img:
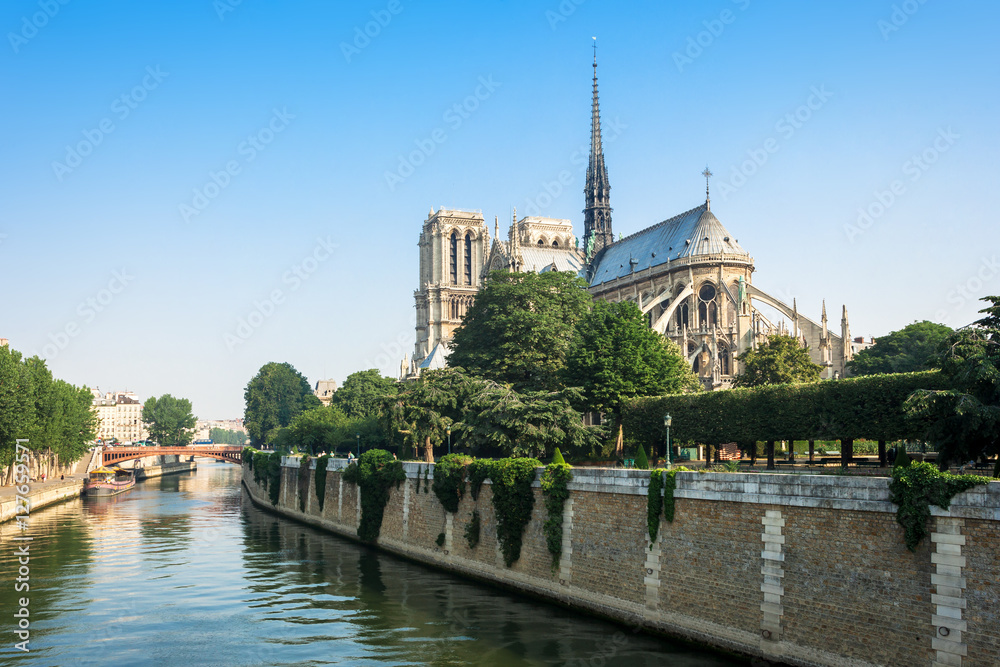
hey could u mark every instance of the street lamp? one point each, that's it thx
(667, 420)
(358, 436)
(449, 439)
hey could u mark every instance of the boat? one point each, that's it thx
(108, 481)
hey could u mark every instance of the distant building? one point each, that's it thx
(119, 415)
(4, 342)
(203, 427)
(324, 390)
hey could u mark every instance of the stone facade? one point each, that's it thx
(801, 570)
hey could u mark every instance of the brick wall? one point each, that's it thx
(801, 570)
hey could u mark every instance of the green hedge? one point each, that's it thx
(868, 407)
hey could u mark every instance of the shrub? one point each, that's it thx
(440, 540)
(641, 462)
(914, 488)
(558, 457)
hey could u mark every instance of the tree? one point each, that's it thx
(781, 360)
(169, 420)
(225, 436)
(519, 328)
(319, 429)
(273, 398)
(17, 412)
(965, 419)
(362, 393)
(616, 357)
(425, 408)
(913, 348)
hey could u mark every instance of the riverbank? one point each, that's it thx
(801, 570)
(40, 494)
(171, 468)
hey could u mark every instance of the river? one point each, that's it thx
(183, 570)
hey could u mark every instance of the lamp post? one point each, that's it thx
(358, 436)
(667, 420)
(449, 439)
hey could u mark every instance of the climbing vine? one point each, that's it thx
(914, 488)
(472, 530)
(303, 482)
(479, 470)
(449, 480)
(658, 503)
(418, 479)
(374, 473)
(513, 501)
(427, 479)
(555, 489)
(440, 540)
(321, 464)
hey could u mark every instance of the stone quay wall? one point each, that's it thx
(794, 569)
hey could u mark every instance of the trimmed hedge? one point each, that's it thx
(869, 407)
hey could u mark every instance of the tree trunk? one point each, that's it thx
(753, 454)
(846, 451)
(620, 438)
(812, 451)
(708, 456)
(881, 454)
(428, 450)
(770, 454)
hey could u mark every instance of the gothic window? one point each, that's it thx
(556, 243)
(725, 361)
(468, 258)
(454, 258)
(541, 242)
(708, 314)
(713, 314)
(682, 315)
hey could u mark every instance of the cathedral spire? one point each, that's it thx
(597, 191)
(707, 174)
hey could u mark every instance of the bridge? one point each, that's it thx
(230, 453)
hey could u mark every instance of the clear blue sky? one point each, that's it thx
(329, 121)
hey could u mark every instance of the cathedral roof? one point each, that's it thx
(691, 234)
(540, 259)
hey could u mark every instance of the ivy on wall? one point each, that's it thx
(472, 530)
(449, 480)
(915, 487)
(660, 499)
(321, 465)
(555, 490)
(374, 473)
(303, 485)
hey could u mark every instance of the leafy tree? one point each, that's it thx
(319, 429)
(273, 398)
(965, 419)
(16, 402)
(913, 348)
(519, 328)
(616, 357)
(781, 360)
(169, 420)
(225, 436)
(425, 408)
(499, 419)
(362, 393)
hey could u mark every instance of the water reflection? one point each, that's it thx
(183, 570)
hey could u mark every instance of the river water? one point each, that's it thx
(183, 570)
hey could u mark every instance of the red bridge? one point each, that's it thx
(230, 453)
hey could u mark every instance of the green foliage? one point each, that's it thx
(913, 348)
(868, 407)
(303, 486)
(273, 398)
(557, 457)
(902, 459)
(513, 499)
(449, 480)
(321, 465)
(500, 420)
(518, 330)
(918, 486)
(225, 436)
(424, 409)
(963, 419)
(440, 540)
(555, 490)
(320, 429)
(374, 474)
(781, 360)
(427, 479)
(660, 499)
(169, 420)
(641, 462)
(472, 530)
(272, 476)
(616, 356)
(363, 393)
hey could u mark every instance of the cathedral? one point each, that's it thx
(688, 274)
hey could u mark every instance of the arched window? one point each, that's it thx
(725, 362)
(556, 243)
(468, 258)
(541, 242)
(454, 258)
(702, 313)
(682, 315)
(713, 314)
